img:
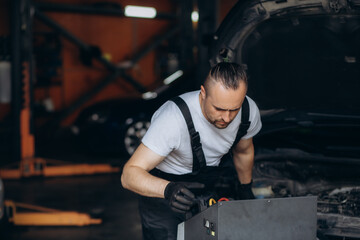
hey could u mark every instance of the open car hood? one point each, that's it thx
(303, 62)
(302, 55)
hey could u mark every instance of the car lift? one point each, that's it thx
(30, 165)
(93, 52)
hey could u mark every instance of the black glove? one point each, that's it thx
(180, 198)
(244, 192)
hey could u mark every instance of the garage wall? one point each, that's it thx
(118, 38)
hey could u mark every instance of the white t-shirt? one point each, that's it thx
(168, 134)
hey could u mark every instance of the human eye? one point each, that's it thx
(219, 109)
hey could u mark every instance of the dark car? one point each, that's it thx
(116, 127)
(303, 59)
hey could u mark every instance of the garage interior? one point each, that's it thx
(64, 56)
(79, 81)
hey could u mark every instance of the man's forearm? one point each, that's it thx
(244, 169)
(140, 181)
(244, 162)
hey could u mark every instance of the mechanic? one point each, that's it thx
(161, 170)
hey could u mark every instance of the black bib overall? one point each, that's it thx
(158, 220)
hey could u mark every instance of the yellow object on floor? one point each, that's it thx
(46, 216)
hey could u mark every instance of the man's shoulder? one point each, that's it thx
(254, 110)
(170, 111)
(168, 108)
(190, 96)
(251, 102)
(169, 105)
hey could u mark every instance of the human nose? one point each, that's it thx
(226, 116)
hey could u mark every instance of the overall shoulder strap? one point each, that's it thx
(199, 161)
(245, 123)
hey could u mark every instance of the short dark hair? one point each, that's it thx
(230, 74)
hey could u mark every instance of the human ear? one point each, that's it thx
(202, 92)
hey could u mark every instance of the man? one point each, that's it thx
(164, 161)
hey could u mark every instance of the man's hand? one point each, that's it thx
(244, 192)
(180, 198)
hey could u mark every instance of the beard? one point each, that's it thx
(220, 124)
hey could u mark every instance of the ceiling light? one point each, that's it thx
(140, 12)
(195, 16)
(149, 95)
(173, 77)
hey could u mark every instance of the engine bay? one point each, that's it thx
(335, 184)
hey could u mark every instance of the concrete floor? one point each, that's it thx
(101, 196)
